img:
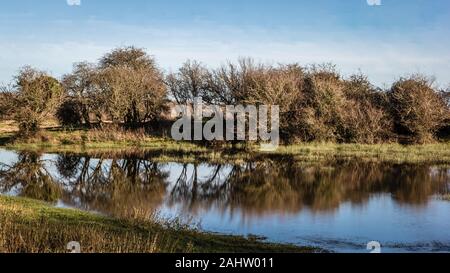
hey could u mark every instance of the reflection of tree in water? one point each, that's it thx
(273, 186)
(30, 178)
(193, 189)
(132, 184)
(119, 187)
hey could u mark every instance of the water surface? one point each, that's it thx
(338, 206)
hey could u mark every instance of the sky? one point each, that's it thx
(385, 39)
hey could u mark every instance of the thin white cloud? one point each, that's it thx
(74, 2)
(55, 58)
(383, 58)
(374, 2)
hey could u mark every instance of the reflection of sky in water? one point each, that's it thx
(399, 226)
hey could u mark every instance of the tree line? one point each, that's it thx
(127, 87)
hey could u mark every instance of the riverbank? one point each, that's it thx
(164, 149)
(36, 227)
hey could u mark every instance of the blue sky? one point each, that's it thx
(393, 39)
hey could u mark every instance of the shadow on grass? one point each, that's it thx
(6, 139)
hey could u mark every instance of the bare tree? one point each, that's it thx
(82, 94)
(132, 57)
(130, 87)
(133, 96)
(189, 82)
(229, 83)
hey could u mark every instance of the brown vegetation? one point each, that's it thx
(418, 110)
(38, 97)
(316, 103)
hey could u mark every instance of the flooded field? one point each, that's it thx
(339, 206)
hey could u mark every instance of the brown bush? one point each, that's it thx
(316, 104)
(7, 97)
(38, 97)
(280, 86)
(70, 113)
(417, 109)
(365, 116)
(323, 104)
(444, 130)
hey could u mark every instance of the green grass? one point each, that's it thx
(35, 227)
(96, 141)
(436, 153)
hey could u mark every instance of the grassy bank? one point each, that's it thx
(98, 142)
(32, 226)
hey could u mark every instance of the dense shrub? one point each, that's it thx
(7, 96)
(282, 86)
(38, 97)
(418, 110)
(365, 117)
(70, 113)
(444, 130)
(28, 121)
(316, 103)
(321, 117)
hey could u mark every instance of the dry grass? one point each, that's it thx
(433, 153)
(113, 139)
(28, 226)
(33, 228)
(8, 126)
(100, 143)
